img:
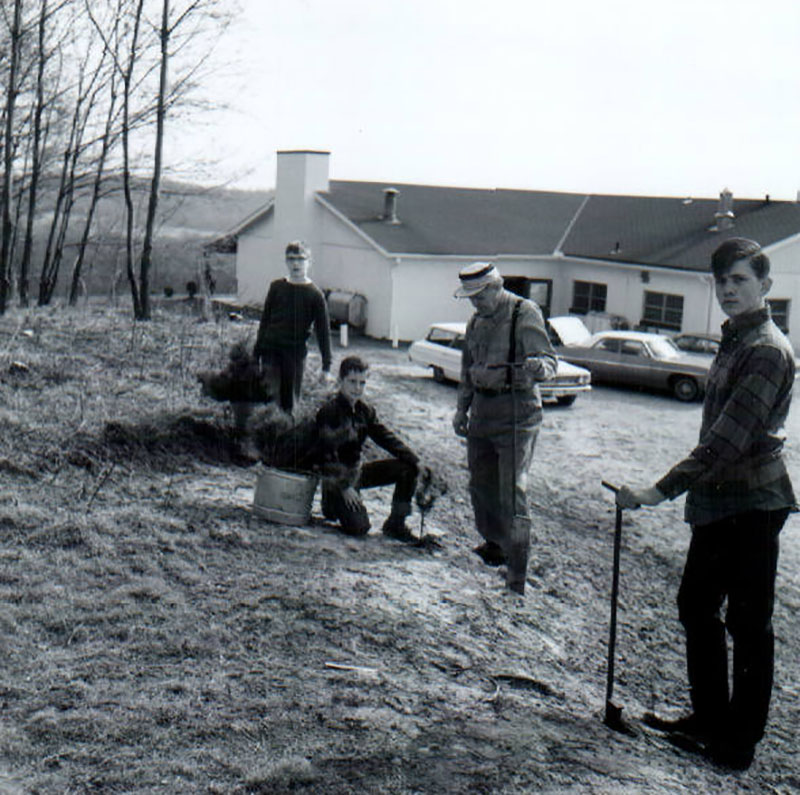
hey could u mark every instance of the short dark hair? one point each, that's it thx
(297, 248)
(735, 249)
(352, 364)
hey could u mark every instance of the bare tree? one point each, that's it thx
(91, 83)
(36, 157)
(105, 144)
(8, 151)
(168, 28)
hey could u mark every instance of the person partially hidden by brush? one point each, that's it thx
(342, 425)
(738, 497)
(275, 370)
(293, 305)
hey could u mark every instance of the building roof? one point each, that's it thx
(465, 221)
(640, 230)
(673, 232)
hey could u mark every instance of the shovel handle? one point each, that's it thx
(609, 486)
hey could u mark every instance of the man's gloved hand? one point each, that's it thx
(460, 423)
(534, 366)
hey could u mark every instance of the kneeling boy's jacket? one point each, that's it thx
(341, 430)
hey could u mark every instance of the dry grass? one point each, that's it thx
(158, 638)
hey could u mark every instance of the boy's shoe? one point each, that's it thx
(395, 527)
(491, 554)
(687, 724)
(732, 756)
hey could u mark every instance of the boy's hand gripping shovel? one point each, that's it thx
(613, 714)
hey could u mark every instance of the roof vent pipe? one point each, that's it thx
(724, 215)
(390, 205)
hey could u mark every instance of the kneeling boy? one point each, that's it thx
(342, 424)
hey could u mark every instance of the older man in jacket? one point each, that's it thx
(507, 351)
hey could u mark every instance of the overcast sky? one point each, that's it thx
(677, 98)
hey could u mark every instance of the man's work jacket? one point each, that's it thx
(497, 397)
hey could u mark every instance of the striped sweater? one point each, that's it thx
(738, 464)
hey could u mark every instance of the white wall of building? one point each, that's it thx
(347, 261)
(627, 285)
(785, 272)
(253, 267)
(423, 290)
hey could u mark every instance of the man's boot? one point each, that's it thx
(518, 555)
(395, 526)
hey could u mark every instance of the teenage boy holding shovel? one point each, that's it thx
(506, 352)
(739, 496)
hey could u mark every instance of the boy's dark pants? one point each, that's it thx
(285, 369)
(736, 558)
(376, 473)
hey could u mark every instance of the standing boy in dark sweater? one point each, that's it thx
(292, 306)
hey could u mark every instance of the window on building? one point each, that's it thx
(662, 310)
(779, 307)
(588, 297)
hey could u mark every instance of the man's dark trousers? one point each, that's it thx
(376, 473)
(736, 558)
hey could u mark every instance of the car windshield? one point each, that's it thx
(442, 336)
(664, 348)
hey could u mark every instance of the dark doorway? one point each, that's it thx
(538, 290)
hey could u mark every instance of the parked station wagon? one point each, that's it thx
(441, 348)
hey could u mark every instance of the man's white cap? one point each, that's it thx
(476, 277)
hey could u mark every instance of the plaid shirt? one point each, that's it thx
(738, 463)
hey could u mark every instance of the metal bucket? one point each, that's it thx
(284, 497)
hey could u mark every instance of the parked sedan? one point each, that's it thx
(698, 343)
(641, 359)
(441, 349)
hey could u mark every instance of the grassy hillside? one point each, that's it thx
(188, 216)
(158, 637)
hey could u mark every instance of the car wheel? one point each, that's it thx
(685, 388)
(566, 400)
(438, 375)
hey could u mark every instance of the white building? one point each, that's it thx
(401, 246)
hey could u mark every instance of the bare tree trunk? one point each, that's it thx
(8, 155)
(80, 256)
(36, 152)
(127, 79)
(155, 184)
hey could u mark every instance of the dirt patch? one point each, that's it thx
(159, 637)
